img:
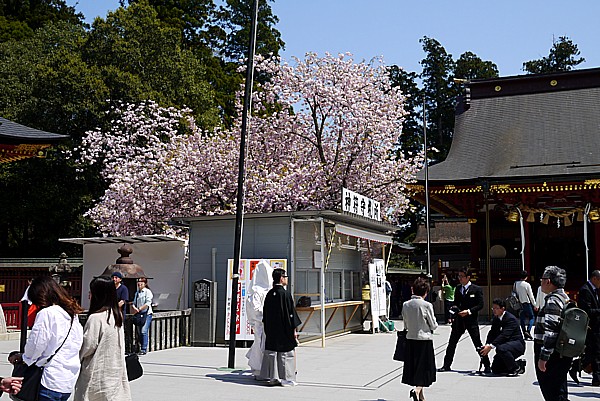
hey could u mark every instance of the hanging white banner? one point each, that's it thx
(246, 272)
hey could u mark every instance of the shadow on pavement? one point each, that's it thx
(237, 378)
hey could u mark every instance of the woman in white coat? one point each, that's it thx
(261, 284)
(103, 375)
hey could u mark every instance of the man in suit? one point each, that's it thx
(506, 338)
(468, 301)
(589, 302)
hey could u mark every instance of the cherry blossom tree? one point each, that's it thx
(317, 125)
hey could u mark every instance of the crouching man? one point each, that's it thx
(506, 338)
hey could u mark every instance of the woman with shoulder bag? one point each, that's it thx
(142, 309)
(419, 357)
(103, 376)
(54, 341)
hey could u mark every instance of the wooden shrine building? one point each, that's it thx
(524, 170)
(19, 142)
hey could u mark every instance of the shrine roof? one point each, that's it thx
(11, 132)
(526, 127)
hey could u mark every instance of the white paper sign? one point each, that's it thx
(377, 288)
(360, 205)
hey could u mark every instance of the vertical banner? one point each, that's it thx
(246, 272)
(377, 288)
(241, 325)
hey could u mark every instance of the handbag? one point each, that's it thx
(32, 375)
(513, 300)
(139, 319)
(133, 366)
(32, 378)
(400, 346)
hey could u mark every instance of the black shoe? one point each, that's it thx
(514, 372)
(444, 369)
(573, 374)
(487, 371)
(522, 363)
(413, 395)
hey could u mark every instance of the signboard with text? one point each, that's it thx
(360, 205)
(377, 287)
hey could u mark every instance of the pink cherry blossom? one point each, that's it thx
(317, 125)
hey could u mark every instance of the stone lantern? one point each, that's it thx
(130, 270)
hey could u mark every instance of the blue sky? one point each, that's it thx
(507, 32)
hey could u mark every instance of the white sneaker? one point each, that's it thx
(288, 383)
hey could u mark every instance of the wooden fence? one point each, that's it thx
(12, 314)
(14, 274)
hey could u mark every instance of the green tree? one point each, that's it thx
(231, 32)
(19, 18)
(46, 85)
(440, 93)
(412, 130)
(440, 90)
(469, 66)
(194, 18)
(144, 58)
(218, 37)
(59, 80)
(235, 21)
(564, 56)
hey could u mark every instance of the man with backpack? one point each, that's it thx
(550, 367)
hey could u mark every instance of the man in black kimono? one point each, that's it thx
(280, 320)
(506, 338)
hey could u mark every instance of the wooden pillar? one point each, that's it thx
(475, 241)
(594, 249)
(527, 251)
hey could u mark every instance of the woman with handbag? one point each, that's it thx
(142, 309)
(103, 376)
(53, 343)
(419, 358)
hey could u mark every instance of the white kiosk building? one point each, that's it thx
(327, 254)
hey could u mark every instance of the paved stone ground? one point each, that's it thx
(355, 367)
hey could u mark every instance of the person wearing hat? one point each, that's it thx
(122, 291)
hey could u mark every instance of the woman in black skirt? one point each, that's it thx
(419, 358)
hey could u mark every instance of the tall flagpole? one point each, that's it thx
(426, 189)
(239, 211)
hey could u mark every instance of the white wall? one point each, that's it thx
(163, 262)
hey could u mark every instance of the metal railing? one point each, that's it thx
(169, 329)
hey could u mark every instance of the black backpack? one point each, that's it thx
(303, 301)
